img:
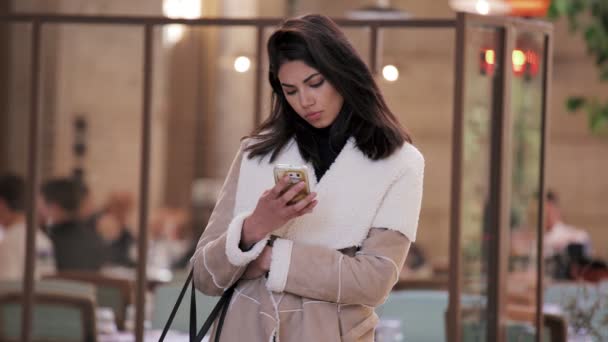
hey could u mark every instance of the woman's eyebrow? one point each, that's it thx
(305, 80)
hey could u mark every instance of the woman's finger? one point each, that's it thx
(309, 208)
(304, 210)
(307, 211)
(305, 202)
(280, 187)
(292, 192)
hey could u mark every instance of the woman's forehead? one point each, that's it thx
(294, 72)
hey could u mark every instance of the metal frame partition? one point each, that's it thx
(500, 118)
(500, 174)
(4, 60)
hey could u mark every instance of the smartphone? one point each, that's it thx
(296, 173)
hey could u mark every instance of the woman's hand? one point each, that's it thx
(259, 266)
(273, 211)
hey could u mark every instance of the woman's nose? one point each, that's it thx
(306, 99)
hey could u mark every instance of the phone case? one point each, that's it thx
(296, 173)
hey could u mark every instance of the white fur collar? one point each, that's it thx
(352, 195)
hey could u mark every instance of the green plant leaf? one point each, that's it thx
(590, 17)
(577, 6)
(575, 103)
(591, 34)
(596, 121)
(557, 8)
(604, 73)
(554, 11)
(598, 115)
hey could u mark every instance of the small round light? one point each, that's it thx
(242, 64)
(390, 73)
(188, 9)
(173, 33)
(482, 7)
(490, 58)
(519, 58)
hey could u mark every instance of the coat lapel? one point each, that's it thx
(348, 194)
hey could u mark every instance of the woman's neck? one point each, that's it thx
(324, 132)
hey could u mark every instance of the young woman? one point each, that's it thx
(314, 270)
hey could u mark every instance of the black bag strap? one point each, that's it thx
(192, 311)
(220, 323)
(175, 307)
(222, 305)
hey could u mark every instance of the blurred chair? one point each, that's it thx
(114, 293)
(164, 300)
(55, 286)
(64, 311)
(555, 328)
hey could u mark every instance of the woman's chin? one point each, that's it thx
(319, 126)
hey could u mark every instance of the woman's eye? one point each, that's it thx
(318, 84)
(290, 92)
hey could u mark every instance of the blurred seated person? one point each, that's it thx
(566, 248)
(559, 235)
(111, 224)
(76, 244)
(171, 240)
(12, 220)
(578, 265)
(87, 209)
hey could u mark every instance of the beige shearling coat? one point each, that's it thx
(331, 268)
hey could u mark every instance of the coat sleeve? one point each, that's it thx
(218, 261)
(367, 278)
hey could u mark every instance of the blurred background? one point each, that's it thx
(203, 102)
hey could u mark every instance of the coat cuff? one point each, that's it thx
(235, 255)
(279, 265)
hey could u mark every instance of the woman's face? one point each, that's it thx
(310, 94)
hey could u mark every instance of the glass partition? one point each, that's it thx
(482, 62)
(503, 103)
(526, 103)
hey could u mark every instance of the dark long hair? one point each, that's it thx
(317, 41)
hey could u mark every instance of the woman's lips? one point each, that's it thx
(313, 116)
